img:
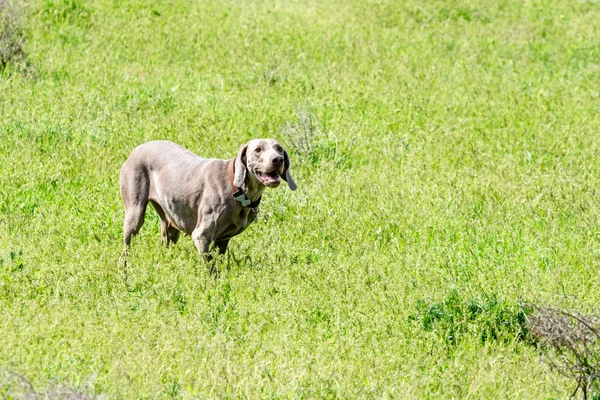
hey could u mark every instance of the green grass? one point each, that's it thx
(456, 157)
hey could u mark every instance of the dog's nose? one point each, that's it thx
(277, 160)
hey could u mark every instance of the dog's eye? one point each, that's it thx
(258, 150)
(279, 149)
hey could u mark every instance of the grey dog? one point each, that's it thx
(213, 200)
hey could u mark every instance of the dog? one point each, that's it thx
(210, 199)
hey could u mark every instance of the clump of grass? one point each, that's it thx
(11, 34)
(486, 317)
(311, 143)
(571, 342)
(301, 134)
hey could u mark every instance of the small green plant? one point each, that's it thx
(486, 317)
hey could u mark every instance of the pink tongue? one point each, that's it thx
(268, 178)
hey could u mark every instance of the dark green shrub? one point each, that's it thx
(485, 316)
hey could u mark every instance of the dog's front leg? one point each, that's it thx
(204, 234)
(202, 240)
(203, 237)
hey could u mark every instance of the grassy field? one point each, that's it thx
(452, 164)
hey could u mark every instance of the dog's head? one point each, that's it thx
(264, 160)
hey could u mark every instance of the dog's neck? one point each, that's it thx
(253, 188)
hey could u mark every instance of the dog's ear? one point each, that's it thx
(287, 176)
(240, 167)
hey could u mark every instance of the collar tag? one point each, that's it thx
(243, 200)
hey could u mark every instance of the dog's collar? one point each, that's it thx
(241, 197)
(238, 194)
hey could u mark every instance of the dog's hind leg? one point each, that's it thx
(135, 189)
(169, 234)
(134, 219)
(172, 235)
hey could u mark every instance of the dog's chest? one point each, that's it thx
(239, 222)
